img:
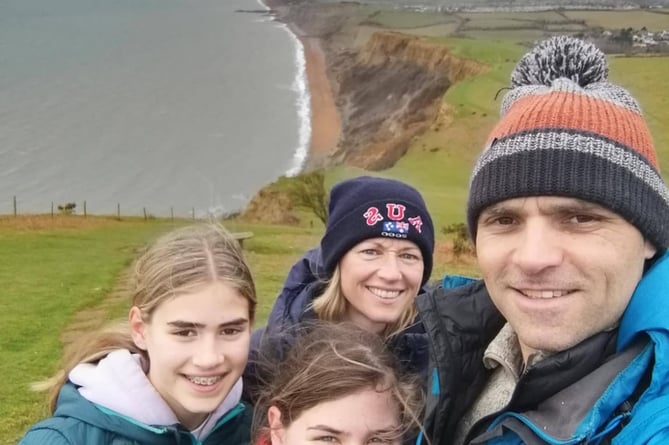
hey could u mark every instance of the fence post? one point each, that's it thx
(193, 211)
(52, 209)
(172, 213)
(14, 205)
(144, 213)
(118, 211)
(84, 208)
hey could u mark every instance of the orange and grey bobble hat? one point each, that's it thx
(565, 130)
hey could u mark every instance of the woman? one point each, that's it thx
(374, 257)
(171, 373)
(338, 384)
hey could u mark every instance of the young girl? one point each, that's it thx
(338, 384)
(171, 374)
(374, 258)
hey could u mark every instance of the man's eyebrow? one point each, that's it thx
(498, 208)
(576, 206)
(190, 325)
(573, 205)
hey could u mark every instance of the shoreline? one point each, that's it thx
(324, 116)
(325, 121)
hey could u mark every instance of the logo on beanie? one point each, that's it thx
(396, 227)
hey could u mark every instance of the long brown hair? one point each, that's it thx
(179, 262)
(328, 362)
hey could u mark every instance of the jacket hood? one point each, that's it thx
(71, 404)
(120, 391)
(647, 310)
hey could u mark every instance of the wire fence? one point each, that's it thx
(71, 208)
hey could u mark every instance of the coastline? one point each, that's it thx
(325, 121)
(324, 116)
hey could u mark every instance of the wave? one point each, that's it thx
(303, 103)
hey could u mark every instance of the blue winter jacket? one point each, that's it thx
(611, 389)
(77, 421)
(292, 308)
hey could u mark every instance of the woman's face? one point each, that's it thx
(380, 278)
(362, 418)
(197, 344)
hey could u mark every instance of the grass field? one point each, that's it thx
(652, 20)
(48, 275)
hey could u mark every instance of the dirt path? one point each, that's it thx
(93, 318)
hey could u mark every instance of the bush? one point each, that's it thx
(67, 209)
(308, 192)
(460, 235)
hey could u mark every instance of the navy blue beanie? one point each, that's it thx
(368, 207)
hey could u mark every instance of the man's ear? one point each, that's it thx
(137, 327)
(649, 250)
(276, 430)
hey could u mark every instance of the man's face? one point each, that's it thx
(559, 269)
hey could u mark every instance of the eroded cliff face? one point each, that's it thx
(389, 91)
(388, 86)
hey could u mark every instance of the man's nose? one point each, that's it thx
(539, 247)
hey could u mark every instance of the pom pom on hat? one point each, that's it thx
(561, 57)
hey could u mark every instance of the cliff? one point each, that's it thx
(389, 91)
(387, 86)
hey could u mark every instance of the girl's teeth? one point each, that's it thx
(204, 381)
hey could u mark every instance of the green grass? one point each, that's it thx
(48, 275)
(646, 78)
(652, 20)
(533, 16)
(408, 19)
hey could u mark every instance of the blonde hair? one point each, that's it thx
(331, 361)
(178, 262)
(332, 305)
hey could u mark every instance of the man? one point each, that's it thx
(566, 339)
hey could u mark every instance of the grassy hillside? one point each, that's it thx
(50, 270)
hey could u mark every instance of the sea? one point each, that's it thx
(163, 107)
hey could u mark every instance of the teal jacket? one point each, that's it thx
(80, 422)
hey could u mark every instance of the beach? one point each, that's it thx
(325, 123)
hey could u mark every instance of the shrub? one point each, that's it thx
(461, 242)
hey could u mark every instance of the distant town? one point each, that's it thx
(631, 40)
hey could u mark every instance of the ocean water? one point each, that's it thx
(168, 105)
